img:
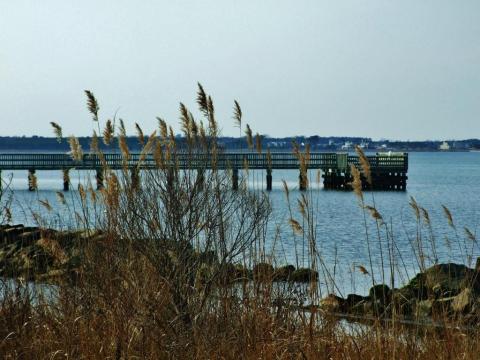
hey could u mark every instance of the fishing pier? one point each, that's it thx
(388, 170)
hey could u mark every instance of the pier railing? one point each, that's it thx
(397, 162)
(388, 170)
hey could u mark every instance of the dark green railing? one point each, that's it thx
(381, 162)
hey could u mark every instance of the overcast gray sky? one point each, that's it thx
(405, 69)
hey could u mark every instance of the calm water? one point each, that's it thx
(451, 179)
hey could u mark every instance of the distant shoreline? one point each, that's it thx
(23, 144)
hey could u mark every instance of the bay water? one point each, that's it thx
(342, 233)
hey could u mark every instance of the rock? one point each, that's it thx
(423, 308)
(447, 279)
(433, 308)
(304, 275)
(28, 237)
(380, 293)
(461, 303)
(403, 301)
(332, 303)
(263, 272)
(417, 287)
(283, 273)
(354, 299)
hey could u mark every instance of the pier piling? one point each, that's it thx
(32, 180)
(269, 179)
(66, 179)
(235, 179)
(99, 178)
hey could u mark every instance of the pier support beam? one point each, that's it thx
(302, 180)
(32, 180)
(99, 178)
(66, 180)
(235, 179)
(269, 179)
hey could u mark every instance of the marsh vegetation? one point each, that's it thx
(171, 263)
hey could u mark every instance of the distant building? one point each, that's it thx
(364, 145)
(347, 145)
(444, 146)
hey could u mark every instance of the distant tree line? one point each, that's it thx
(317, 143)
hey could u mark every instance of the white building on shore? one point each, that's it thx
(444, 146)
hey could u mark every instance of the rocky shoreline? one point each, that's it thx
(442, 292)
(47, 255)
(37, 254)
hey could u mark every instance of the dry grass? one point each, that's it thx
(157, 282)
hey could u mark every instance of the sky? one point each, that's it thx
(407, 70)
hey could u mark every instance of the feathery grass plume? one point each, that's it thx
(374, 212)
(295, 149)
(61, 198)
(147, 148)
(122, 144)
(82, 193)
(413, 204)
(301, 208)
(362, 269)
(171, 137)
(32, 181)
(92, 105)
(45, 204)
(57, 130)
(286, 190)
(108, 132)
(469, 234)
(202, 100)
(425, 215)
(237, 114)
(112, 191)
(36, 217)
(357, 181)
(162, 124)
(140, 136)
(122, 129)
(449, 216)
(258, 143)
(203, 135)
(212, 123)
(269, 159)
(245, 166)
(158, 155)
(364, 164)
(248, 133)
(297, 228)
(75, 148)
(94, 143)
(66, 176)
(193, 127)
(92, 192)
(307, 153)
(185, 122)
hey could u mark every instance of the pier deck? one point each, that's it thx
(389, 171)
